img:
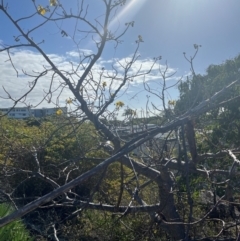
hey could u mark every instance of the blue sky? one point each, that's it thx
(168, 28)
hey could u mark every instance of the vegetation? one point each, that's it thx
(14, 231)
(76, 177)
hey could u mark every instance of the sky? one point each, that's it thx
(168, 28)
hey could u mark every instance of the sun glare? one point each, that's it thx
(127, 11)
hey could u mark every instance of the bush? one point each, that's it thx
(14, 231)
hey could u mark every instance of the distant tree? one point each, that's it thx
(129, 113)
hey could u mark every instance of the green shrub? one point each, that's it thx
(14, 231)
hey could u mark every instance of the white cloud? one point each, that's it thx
(140, 68)
(110, 61)
(29, 64)
(86, 51)
(73, 54)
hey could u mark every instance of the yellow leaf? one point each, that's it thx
(69, 101)
(119, 104)
(59, 112)
(53, 2)
(172, 102)
(41, 10)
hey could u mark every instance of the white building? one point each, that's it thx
(17, 112)
(26, 112)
